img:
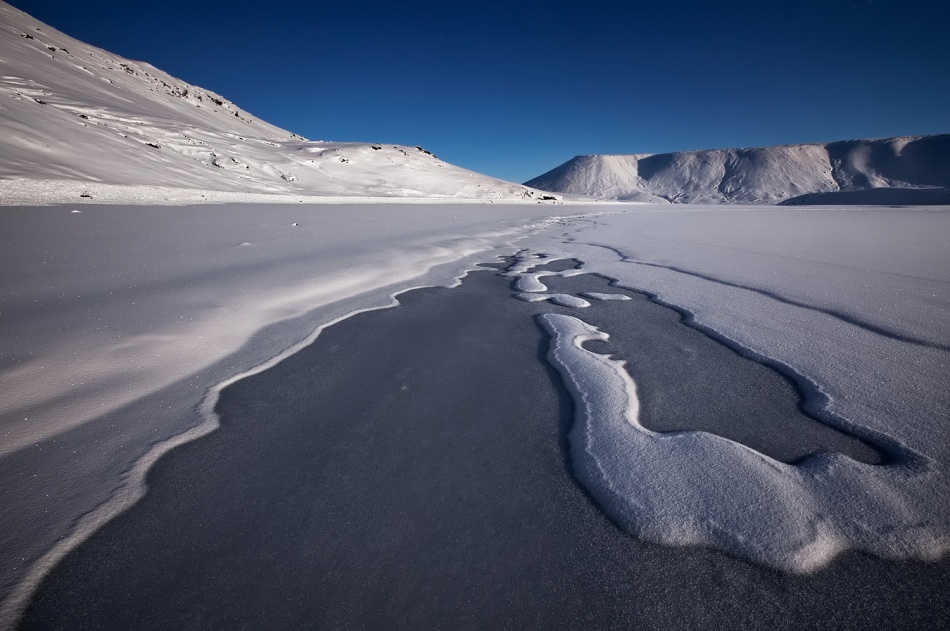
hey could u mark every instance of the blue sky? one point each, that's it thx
(515, 88)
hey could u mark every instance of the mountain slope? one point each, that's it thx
(758, 175)
(69, 111)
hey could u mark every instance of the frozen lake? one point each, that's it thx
(411, 469)
(422, 458)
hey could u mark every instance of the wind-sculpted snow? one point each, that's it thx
(565, 300)
(913, 169)
(116, 323)
(596, 295)
(694, 488)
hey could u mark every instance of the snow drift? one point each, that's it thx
(769, 175)
(73, 112)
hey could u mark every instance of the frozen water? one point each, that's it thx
(437, 510)
(847, 304)
(116, 326)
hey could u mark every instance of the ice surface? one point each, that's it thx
(121, 326)
(119, 323)
(529, 283)
(116, 322)
(701, 489)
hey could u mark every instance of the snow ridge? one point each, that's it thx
(695, 488)
(786, 173)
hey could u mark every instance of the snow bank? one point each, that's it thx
(851, 305)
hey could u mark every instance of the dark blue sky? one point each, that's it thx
(515, 88)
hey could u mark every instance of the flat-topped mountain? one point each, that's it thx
(892, 170)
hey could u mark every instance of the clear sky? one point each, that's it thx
(515, 88)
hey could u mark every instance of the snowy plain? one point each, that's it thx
(117, 320)
(849, 304)
(159, 244)
(118, 328)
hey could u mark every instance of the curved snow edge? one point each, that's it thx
(694, 488)
(133, 486)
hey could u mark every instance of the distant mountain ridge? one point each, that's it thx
(762, 175)
(73, 112)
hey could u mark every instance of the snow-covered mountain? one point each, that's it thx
(73, 112)
(765, 174)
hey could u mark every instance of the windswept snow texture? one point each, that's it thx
(117, 321)
(698, 488)
(765, 175)
(851, 305)
(72, 112)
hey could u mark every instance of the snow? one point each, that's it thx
(212, 275)
(565, 300)
(200, 256)
(117, 321)
(910, 166)
(597, 295)
(76, 118)
(849, 304)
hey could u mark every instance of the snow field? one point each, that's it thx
(768, 284)
(119, 320)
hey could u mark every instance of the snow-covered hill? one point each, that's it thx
(73, 112)
(763, 174)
